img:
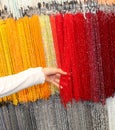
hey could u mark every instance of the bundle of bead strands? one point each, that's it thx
(92, 67)
(7, 58)
(36, 35)
(14, 48)
(3, 64)
(55, 39)
(48, 44)
(22, 47)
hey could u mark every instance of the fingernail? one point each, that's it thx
(64, 72)
(61, 87)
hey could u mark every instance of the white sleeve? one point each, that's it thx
(14, 83)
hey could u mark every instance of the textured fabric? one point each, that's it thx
(2, 121)
(52, 115)
(6, 117)
(13, 117)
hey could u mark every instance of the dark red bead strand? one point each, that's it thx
(75, 61)
(103, 29)
(82, 57)
(101, 89)
(93, 68)
(111, 47)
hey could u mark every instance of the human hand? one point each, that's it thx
(53, 75)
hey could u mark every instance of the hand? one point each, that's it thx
(53, 75)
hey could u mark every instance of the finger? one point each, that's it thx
(60, 71)
(57, 71)
(58, 76)
(56, 84)
(57, 81)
